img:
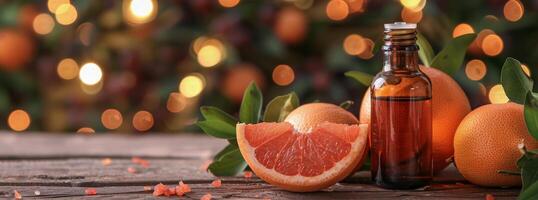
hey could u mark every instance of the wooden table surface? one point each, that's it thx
(62, 166)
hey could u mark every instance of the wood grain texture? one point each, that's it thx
(62, 166)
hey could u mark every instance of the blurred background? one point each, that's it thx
(147, 65)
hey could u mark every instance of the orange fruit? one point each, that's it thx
(307, 116)
(291, 25)
(487, 140)
(302, 161)
(449, 107)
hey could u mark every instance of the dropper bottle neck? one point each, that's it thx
(400, 48)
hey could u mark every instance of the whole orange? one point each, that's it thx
(449, 107)
(16, 49)
(307, 116)
(487, 140)
(237, 79)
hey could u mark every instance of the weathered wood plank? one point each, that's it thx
(61, 146)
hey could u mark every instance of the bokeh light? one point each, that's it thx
(90, 74)
(18, 120)
(111, 119)
(86, 131)
(356, 5)
(228, 3)
(415, 5)
(209, 56)
(191, 85)
(492, 45)
(143, 120)
(67, 69)
(368, 53)
(513, 10)
(52, 5)
(43, 24)
(497, 95)
(283, 75)
(481, 36)
(462, 29)
(526, 69)
(354, 44)
(475, 69)
(66, 14)
(176, 102)
(337, 10)
(85, 32)
(411, 16)
(139, 11)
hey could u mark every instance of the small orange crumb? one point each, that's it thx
(106, 161)
(171, 191)
(205, 165)
(140, 161)
(216, 183)
(131, 170)
(17, 195)
(490, 197)
(206, 197)
(135, 159)
(147, 188)
(247, 174)
(90, 191)
(159, 189)
(182, 188)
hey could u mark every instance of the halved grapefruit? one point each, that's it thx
(302, 161)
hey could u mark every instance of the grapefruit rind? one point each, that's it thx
(300, 183)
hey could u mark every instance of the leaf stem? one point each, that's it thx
(508, 172)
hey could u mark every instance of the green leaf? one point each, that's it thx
(515, 83)
(530, 193)
(278, 108)
(530, 112)
(425, 52)
(451, 57)
(227, 149)
(217, 128)
(212, 113)
(251, 107)
(528, 164)
(346, 104)
(229, 164)
(361, 77)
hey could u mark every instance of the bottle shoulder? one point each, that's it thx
(391, 83)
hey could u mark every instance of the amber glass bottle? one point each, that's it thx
(400, 137)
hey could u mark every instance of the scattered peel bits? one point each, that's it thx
(142, 162)
(216, 183)
(206, 197)
(17, 195)
(490, 197)
(106, 161)
(247, 174)
(131, 170)
(159, 189)
(182, 188)
(90, 191)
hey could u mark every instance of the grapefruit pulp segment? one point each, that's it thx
(300, 161)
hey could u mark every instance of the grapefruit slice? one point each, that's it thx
(302, 161)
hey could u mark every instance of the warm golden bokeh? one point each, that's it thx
(43, 24)
(283, 75)
(90, 74)
(475, 69)
(481, 35)
(354, 44)
(143, 120)
(66, 14)
(462, 29)
(356, 5)
(209, 56)
(18, 120)
(192, 85)
(228, 3)
(52, 5)
(139, 11)
(111, 119)
(67, 69)
(368, 53)
(411, 16)
(492, 45)
(86, 131)
(337, 10)
(497, 94)
(513, 10)
(415, 5)
(176, 102)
